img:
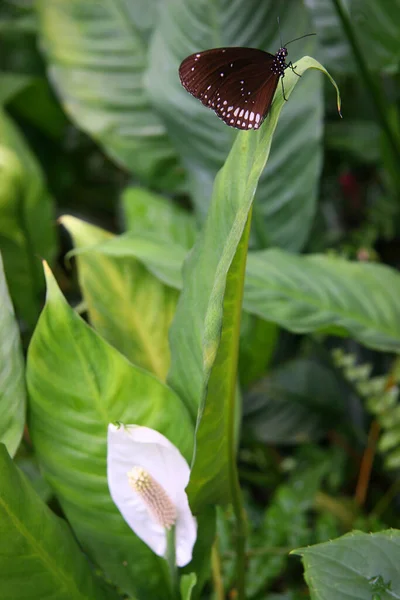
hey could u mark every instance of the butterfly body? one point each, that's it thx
(237, 83)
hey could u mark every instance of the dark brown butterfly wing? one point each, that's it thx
(237, 83)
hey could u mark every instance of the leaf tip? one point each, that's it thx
(51, 283)
(46, 268)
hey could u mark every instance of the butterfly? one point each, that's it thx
(237, 83)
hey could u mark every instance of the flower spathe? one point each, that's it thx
(147, 477)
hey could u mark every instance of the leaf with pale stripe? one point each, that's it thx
(77, 385)
(127, 304)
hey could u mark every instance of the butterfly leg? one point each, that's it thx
(290, 64)
(283, 89)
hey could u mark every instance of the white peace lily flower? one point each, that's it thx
(147, 477)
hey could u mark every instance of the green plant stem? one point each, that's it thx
(170, 557)
(376, 96)
(234, 485)
(216, 571)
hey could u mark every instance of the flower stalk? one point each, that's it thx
(170, 557)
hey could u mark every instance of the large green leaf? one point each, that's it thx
(26, 230)
(205, 332)
(146, 213)
(39, 556)
(12, 381)
(97, 57)
(130, 307)
(77, 385)
(357, 565)
(283, 212)
(326, 293)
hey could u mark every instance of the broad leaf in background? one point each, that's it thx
(146, 213)
(375, 24)
(39, 556)
(360, 139)
(127, 305)
(26, 229)
(12, 379)
(283, 212)
(77, 385)
(296, 403)
(205, 333)
(360, 565)
(97, 57)
(326, 293)
(333, 49)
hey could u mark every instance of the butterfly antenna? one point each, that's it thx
(279, 29)
(299, 38)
